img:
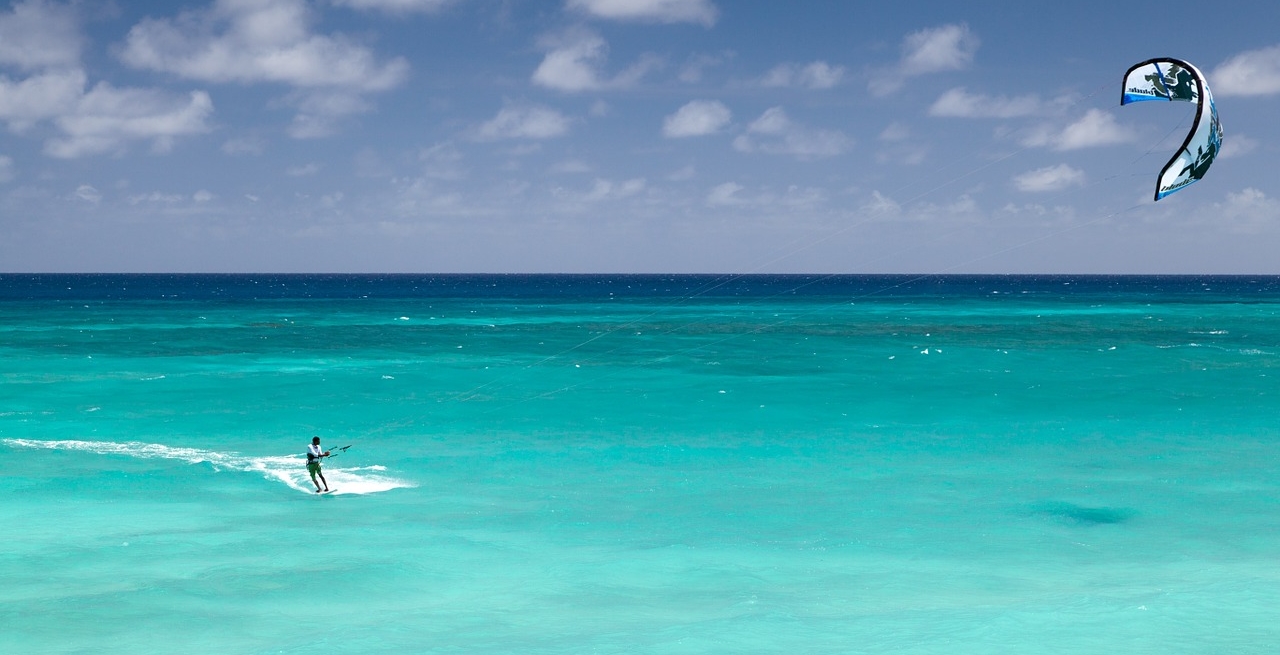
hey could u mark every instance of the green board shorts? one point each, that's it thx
(313, 467)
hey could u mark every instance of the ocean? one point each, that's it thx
(639, 464)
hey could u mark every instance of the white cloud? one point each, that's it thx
(1050, 178)
(1248, 211)
(658, 11)
(608, 190)
(933, 50)
(396, 6)
(155, 197)
(320, 110)
(202, 196)
(38, 35)
(1095, 128)
(442, 161)
(44, 37)
(794, 197)
(6, 169)
(105, 118)
(39, 97)
(88, 194)
(881, 204)
(895, 131)
(697, 118)
(725, 194)
(265, 41)
(946, 48)
(574, 61)
(775, 133)
(1237, 146)
(524, 122)
(816, 75)
(1250, 73)
(960, 103)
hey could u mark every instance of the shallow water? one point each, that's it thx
(678, 464)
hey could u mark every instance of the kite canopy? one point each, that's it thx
(1174, 80)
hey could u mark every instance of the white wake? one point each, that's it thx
(289, 469)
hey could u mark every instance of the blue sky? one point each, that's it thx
(627, 136)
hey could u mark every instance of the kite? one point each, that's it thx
(1174, 80)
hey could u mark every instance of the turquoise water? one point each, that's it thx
(650, 464)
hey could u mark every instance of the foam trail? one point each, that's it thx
(288, 469)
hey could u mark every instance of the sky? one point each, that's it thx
(628, 136)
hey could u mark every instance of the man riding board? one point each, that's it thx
(314, 454)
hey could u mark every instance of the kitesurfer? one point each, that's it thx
(314, 454)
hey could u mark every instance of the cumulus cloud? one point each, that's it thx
(1250, 73)
(775, 133)
(895, 131)
(575, 59)
(156, 197)
(932, 50)
(38, 35)
(697, 118)
(267, 41)
(1095, 128)
(1249, 211)
(103, 118)
(609, 190)
(6, 169)
(44, 39)
(817, 75)
(396, 6)
(319, 112)
(107, 117)
(442, 161)
(725, 194)
(39, 97)
(959, 103)
(524, 122)
(899, 147)
(655, 11)
(881, 204)
(1237, 146)
(572, 64)
(88, 193)
(1050, 178)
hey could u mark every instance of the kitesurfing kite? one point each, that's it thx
(1174, 80)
